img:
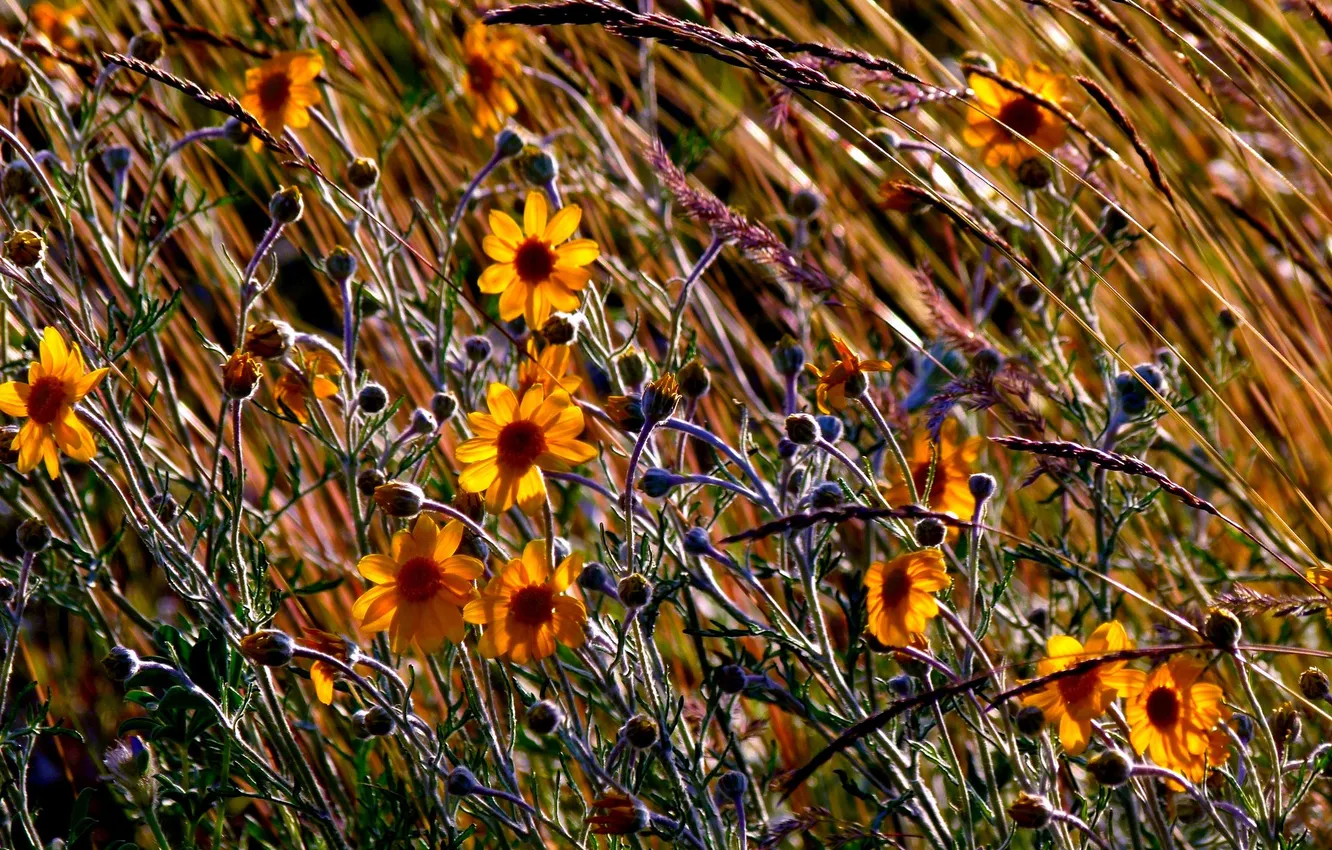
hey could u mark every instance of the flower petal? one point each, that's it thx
(562, 225)
(534, 214)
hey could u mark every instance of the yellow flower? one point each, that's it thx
(525, 610)
(1172, 716)
(1074, 702)
(293, 389)
(999, 109)
(281, 91)
(900, 601)
(489, 64)
(56, 382)
(60, 26)
(547, 369)
(515, 441)
(831, 390)
(949, 492)
(530, 274)
(421, 587)
(322, 673)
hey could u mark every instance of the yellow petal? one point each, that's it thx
(503, 226)
(562, 225)
(534, 214)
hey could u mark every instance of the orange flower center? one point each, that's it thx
(519, 444)
(480, 73)
(45, 399)
(1075, 689)
(534, 261)
(534, 605)
(896, 587)
(274, 91)
(419, 579)
(1022, 116)
(1163, 707)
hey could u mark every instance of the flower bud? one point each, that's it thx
(733, 784)
(731, 678)
(269, 647)
(443, 406)
(508, 143)
(1030, 720)
(1314, 684)
(340, 263)
(14, 78)
(425, 346)
(132, 770)
(237, 132)
(399, 499)
(1222, 629)
(362, 173)
(806, 203)
(826, 495)
(856, 385)
(423, 422)
(660, 398)
(697, 542)
(1030, 811)
(1033, 173)
(640, 731)
(902, 686)
(463, 782)
(372, 722)
(632, 366)
(1030, 296)
(147, 47)
(559, 329)
(596, 578)
(694, 379)
(830, 427)
(165, 507)
(657, 482)
(117, 158)
(369, 480)
(287, 205)
(372, 398)
(8, 454)
(270, 339)
(544, 717)
(18, 180)
(537, 166)
(25, 249)
(1111, 768)
(240, 375)
(788, 357)
(786, 449)
(1286, 724)
(1113, 221)
(477, 349)
(33, 535)
(986, 362)
(931, 532)
(121, 663)
(802, 429)
(634, 590)
(982, 486)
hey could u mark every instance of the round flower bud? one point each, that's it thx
(1033, 173)
(8, 454)
(423, 422)
(1286, 724)
(537, 166)
(287, 205)
(597, 579)
(856, 385)
(544, 717)
(18, 180)
(340, 263)
(1222, 629)
(363, 173)
(786, 449)
(372, 722)
(982, 486)
(826, 495)
(399, 499)
(1244, 729)
(117, 158)
(33, 535)
(463, 782)
(269, 647)
(1030, 720)
(236, 132)
(14, 78)
(559, 329)
(788, 357)
(830, 427)
(1030, 811)
(165, 507)
(477, 348)
(1113, 221)
(731, 678)
(1030, 296)
(240, 375)
(733, 785)
(802, 429)
(931, 532)
(1228, 319)
(697, 542)
(640, 731)
(443, 406)
(657, 482)
(660, 398)
(372, 398)
(1111, 768)
(508, 143)
(1314, 684)
(147, 47)
(425, 346)
(632, 366)
(806, 203)
(25, 249)
(270, 339)
(121, 663)
(634, 590)
(369, 480)
(901, 686)
(693, 379)
(986, 362)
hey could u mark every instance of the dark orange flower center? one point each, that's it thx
(480, 73)
(920, 474)
(1075, 689)
(45, 399)
(534, 260)
(896, 586)
(419, 579)
(274, 92)
(1163, 707)
(519, 444)
(534, 605)
(1022, 116)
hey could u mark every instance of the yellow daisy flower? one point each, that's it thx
(949, 492)
(900, 595)
(1073, 702)
(1032, 125)
(831, 390)
(421, 589)
(525, 610)
(530, 274)
(515, 441)
(61, 27)
(56, 382)
(281, 91)
(1172, 716)
(489, 62)
(293, 389)
(547, 369)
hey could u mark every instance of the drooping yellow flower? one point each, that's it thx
(490, 63)
(1009, 127)
(900, 592)
(831, 390)
(547, 369)
(949, 492)
(323, 674)
(61, 26)
(533, 272)
(515, 441)
(281, 91)
(56, 382)
(1073, 702)
(525, 610)
(421, 589)
(1172, 716)
(294, 389)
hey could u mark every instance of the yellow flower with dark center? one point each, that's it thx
(949, 491)
(900, 595)
(831, 390)
(421, 589)
(57, 381)
(525, 610)
(490, 63)
(547, 369)
(294, 389)
(1172, 716)
(60, 26)
(323, 674)
(281, 91)
(1073, 702)
(533, 272)
(1008, 126)
(515, 441)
